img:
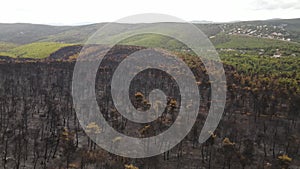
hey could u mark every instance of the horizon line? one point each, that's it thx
(193, 22)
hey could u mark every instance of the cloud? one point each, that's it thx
(275, 4)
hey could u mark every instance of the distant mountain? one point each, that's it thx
(27, 33)
(26, 40)
(202, 22)
(21, 33)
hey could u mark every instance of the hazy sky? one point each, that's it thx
(70, 12)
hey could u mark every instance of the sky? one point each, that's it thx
(72, 12)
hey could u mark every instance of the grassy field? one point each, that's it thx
(5, 46)
(155, 41)
(34, 50)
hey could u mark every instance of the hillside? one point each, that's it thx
(5, 46)
(255, 45)
(34, 50)
(283, 29)
(235, 42)
(27, 33)
(40, 129)
(287, 29)
(77, 34)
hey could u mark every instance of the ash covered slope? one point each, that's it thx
(39, 127)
